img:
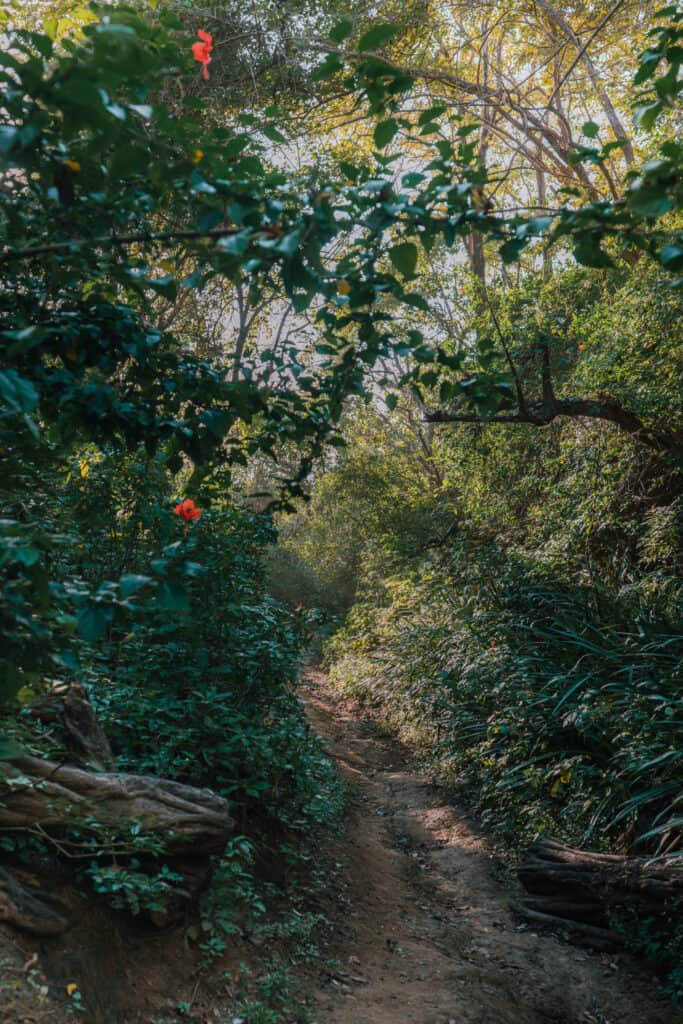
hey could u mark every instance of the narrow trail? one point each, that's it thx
(424, 933)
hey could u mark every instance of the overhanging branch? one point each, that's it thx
(542, 414)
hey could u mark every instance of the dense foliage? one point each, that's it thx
(512, 601)
(192, 311)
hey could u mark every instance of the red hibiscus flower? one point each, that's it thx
(202, 51)
(187, 510)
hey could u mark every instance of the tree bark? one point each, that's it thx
(47, 798)
(581, 891)
(68, 710)
(29, 908)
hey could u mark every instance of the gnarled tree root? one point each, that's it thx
(584, 892)
(44, 796)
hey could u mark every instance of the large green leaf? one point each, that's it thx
(404, 258)
(93, 620)
(341, 31)
(377, 37)
(385, 131)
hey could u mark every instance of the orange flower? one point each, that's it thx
(202, 51)
(187, 510)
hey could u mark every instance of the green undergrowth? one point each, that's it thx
(553, 706)
(513, 613)
(259, 940)
(192, 670)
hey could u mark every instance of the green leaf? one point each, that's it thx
(143, 109)
(385, 131)
(404, 258)
(42, 43)
(10, 681)
(173, 596)
(645, 114)
(649, 201)
(510, 250)
(591, 129)
(27, 556)
(537, 225)
(18, 394)
(428, 115)
(117, 111)
(272, 133)
(377, 36)
(93, 620)
(587, 251)
(236, 244)
(131, 582)
(330, 66)
(671, 257)
(9, 749)
(8, 136)
(415, 300)
(166, 286)
(342, 30)
(289, 243)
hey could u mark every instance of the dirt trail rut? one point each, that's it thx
(423, 926)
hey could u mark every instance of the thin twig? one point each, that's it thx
(580, 55)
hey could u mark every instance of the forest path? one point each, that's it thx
(422, 925)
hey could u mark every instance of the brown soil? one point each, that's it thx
(425, 933)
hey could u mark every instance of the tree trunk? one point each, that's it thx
(581, 891)
(47, 798)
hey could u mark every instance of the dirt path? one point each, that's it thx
(423, 929)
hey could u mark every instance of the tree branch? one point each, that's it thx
(540, 415)
(143, 236)
(593, 72)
